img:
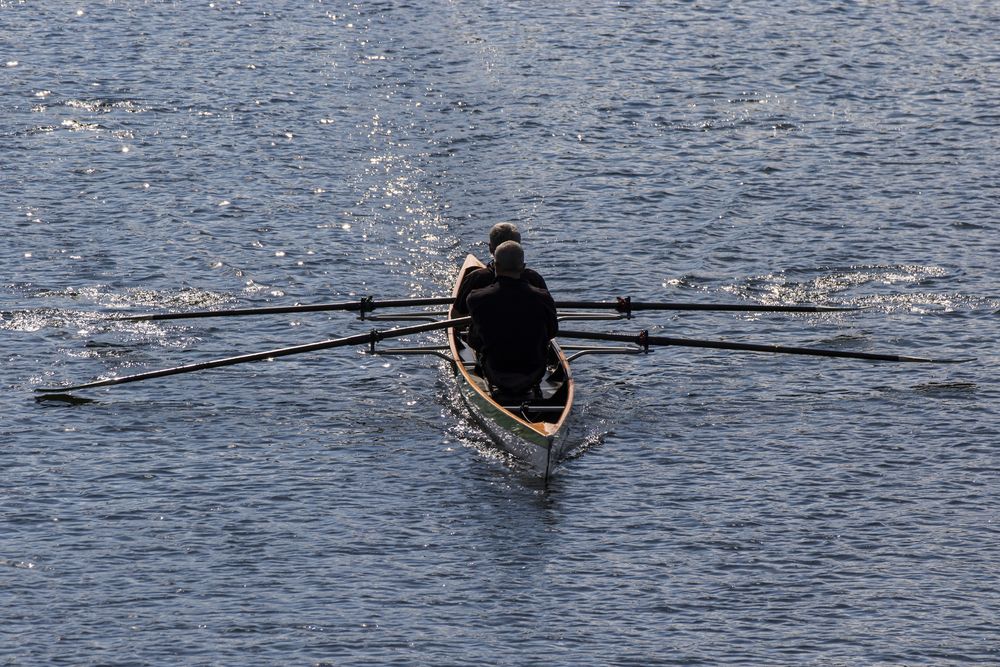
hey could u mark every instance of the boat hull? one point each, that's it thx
(540, 452)
(534, 432)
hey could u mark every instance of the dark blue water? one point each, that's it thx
(339, 508)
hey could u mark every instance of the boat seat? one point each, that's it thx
(548, 387)
(511, 386)
(514, 398)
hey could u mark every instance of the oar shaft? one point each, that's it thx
(358, 339)
(749, 347)
(367, 305)
(780, 349)
(627, 306)
(363, 305)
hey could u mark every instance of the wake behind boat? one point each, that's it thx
(531, 426)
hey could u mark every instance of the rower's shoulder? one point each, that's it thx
(534, 278)
(540, 292)
(479, 277)
(481, 293)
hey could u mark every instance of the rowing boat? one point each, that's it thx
(531, 428)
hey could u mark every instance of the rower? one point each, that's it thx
(482, 277)
(512, 324)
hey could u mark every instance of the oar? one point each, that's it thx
(365, 305)
(371, 337)
(645, 340)
(368, 304)
(626, 305)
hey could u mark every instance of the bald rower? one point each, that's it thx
(479, 278)
(512, 324)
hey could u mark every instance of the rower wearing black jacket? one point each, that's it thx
(479, 278)
(512, 324)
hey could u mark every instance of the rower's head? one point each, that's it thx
(509, 259)
(503, 231)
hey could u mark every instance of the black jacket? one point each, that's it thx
(484, 277)
(512, 324)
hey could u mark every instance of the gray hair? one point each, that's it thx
(503, 231)
(509, 258)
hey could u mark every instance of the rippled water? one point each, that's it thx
(339, 508)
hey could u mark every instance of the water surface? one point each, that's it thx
(339, 508)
